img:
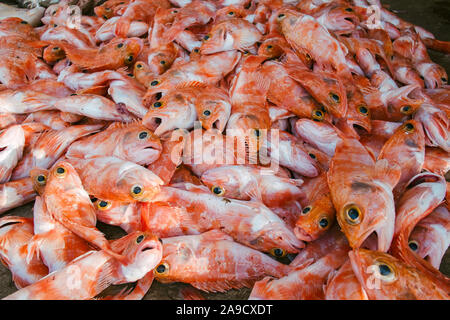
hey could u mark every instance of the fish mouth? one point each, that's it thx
(425, 177)
(150, 247)
(303, 235)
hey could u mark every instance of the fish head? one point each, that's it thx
(141, 145)
(141, 71)
(62, 176)
(358, 113)
(143, 251)
(219, 39)
(140, 183)
(315, 219)
(272, 47)
(39, 177)
(164, 114)
(123, 50)
(160, 59)
(224, 182)
(383, 276)
(366, 207)
(343, 18)
(53, 54)
(214, 110)
(15, 231)
(434, 75)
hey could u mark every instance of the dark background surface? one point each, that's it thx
(433, 15)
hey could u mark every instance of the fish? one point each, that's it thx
(248, 222)
(318, 213)
(353, 178)
(125, 180)
(304, 283)
(15, 234)
(432, 189)
(231, 34)
(244, 183)
(384, 277)
(130, 142)
(123, 214)
(16, 193)
(88, 275)
(199, 261)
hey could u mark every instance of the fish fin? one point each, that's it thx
(116, 291)
(222, 285)
(19, 282)
(386, 172)
(106, 277)
(253, 191)
(191, 293)
(303, 264)
(33, 248)
(42, 99)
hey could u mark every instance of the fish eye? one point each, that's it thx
(363, 110)
(444, 79)
(312, 155)
(55, 25)
(136, 190)
(269, 47)
(335, 97)
(60, 172)
(158, 96)
(41, 179)
(56, 48)
(306, 210)
(206, 113)
(349, 9)
(219, 191)
(139, 66)
(120, 45)
(105, 17)
(140, 238)
(281, 16)
(175, 11)
(406, 109)
(157, 105)
(162, 269)
(108, 9)
(154, 83)
(353, 215)
(257, 132)
(413, 245)
(163, 62)
(408, 128)
(308, 57)
(318, 115)
(323, 223)
(385, 271)
(143, 135)
(129, 58)
(23, 22)
(231, 13)
(196, 50)
(277, 252)
(206, 37)
(103, 205)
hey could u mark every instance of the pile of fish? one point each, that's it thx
(294, 147)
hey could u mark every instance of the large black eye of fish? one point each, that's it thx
(318, 115)
(413, 245)
(363, 110)
(306, 210)
(143, 135)
(206, 113)
(385, 271)
(281, 16)
(60, 171)
(157, 104)
(136, 191)
(120, 45)
(41, 179)
(444, 80)
(312, 155)
(323, 223)
(408, 128)
(162, 268)
(406, 109)
(335, 97)
(140, 238)
(206, 37)
(277, 252)
(139, 66)
(129, 58)
(219, 191)
(231, 13)
(154, 83)
(103, 205)
(353, 215)
(23, 22)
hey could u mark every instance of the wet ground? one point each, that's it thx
(433, 15)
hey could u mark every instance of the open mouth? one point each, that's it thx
(147, 248)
